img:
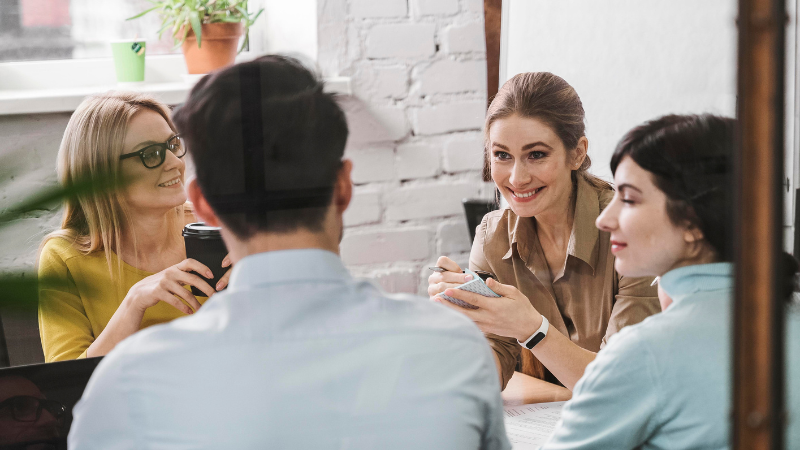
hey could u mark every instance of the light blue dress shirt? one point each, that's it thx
(665, 382)
(295, 354)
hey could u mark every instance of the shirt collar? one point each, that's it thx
(683, 281)
(584, 237)
(287, 266)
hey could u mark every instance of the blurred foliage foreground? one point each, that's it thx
(20, 289)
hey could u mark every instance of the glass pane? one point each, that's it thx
(33, 30)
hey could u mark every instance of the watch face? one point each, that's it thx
(536, 339)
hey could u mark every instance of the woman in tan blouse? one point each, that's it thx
(545, 250)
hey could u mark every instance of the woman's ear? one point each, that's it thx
(692, 234)
(579, 155)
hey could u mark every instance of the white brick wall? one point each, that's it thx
(364, 208)
(464, 38)
(401, 41)
(418, 160)
(463, 152)
(419, 83)
(452, 237)
(428, 201)
(448, 76)
(435, 7)
(448, 117)
(383, 8)
(408, 244)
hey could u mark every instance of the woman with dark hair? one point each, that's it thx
(665, 383)
(544, 249)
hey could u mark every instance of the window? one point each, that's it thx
(54, 53)
(35, 30)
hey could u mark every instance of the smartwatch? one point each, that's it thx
(537, 336)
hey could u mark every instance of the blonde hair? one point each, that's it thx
(90, 150)
(549, 98)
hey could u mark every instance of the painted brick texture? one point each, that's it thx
(418, 71)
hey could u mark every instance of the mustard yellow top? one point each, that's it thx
(77, 298)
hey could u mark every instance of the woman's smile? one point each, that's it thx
(617, 246)
(526, 196)
(173, 183)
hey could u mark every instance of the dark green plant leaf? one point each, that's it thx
(194, 18)
(52, 196)
(143, 13)
(193, 13)
(20, 292)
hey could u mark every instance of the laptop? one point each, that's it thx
(36, 403)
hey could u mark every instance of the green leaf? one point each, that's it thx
(251, 21)
(20, 292)
(185, 33)
(52, 196)
(143, 13)
(194, 18)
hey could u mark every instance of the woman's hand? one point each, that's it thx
(169, 283)
(223, 282)
(452, 277)
(165, 286)
(512, 315)
(509, 315)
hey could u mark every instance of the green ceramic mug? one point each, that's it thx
(129, 60)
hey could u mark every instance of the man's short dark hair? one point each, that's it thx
(267, 144)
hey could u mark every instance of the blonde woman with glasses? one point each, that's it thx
(118, 263)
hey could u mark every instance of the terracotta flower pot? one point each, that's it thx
(218, 46)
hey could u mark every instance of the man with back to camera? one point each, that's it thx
(295, 353)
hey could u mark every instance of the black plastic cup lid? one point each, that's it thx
(201, 230)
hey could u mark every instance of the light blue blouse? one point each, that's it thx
(663, 383)
(793, 376)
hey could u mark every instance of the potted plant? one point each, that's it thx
(207, 30)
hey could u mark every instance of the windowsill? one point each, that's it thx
(60, 86)
(36, 101)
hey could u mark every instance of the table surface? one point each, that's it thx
(524, 389)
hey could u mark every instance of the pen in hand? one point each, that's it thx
(440, 269)
(483, 275)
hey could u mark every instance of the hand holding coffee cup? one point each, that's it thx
(168, 284)
(223, 282)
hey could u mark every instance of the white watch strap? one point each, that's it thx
(537, 336)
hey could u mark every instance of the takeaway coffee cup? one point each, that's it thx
(205, 244)
(129, 61)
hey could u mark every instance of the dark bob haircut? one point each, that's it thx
(690, 159)
(267, 144)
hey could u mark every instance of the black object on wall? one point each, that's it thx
(475, 209)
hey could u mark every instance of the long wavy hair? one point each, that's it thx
(90, 149)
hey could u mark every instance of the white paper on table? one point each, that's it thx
(529, 426)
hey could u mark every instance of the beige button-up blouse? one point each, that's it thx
(589, 303)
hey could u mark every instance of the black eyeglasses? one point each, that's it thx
(154, 155)
(24, 408)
